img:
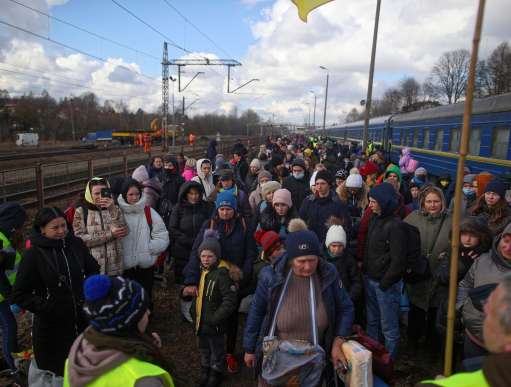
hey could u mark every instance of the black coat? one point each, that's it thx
(299, 189)
(271, 221)
(49, 284)
(185, 222)
(241, 170)
(171, 183)
(349, 273)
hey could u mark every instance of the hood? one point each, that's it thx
(386, 197)
(138, 207)
(173, 160)
(86, 362)
(501, 262)
(140, 174)
(394, 169)
(12, 216)
(199, 169)
(405, 151)
(426, 191)
(185, 188)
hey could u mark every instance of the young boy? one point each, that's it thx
(215, 303)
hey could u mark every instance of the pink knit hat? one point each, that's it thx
(282, 196)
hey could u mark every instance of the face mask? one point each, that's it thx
(298, 175)
(468, 191)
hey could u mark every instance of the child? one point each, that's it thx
(215, 303)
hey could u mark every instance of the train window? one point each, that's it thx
(455, 140)
(500, 143)
(415, 140)
(425, 145)
(439, 139)
(406, 137)
(474, 142)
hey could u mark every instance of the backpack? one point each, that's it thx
(417, 266)
(412, 166)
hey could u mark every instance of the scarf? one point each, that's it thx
(88, 190)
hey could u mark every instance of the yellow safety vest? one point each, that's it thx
(126, 375)
(10, 274)
(465, 379)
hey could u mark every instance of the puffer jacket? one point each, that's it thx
(488, 269)
(206, 181)
(184, 225)
(142, 246)
(271, 221)
(299, 188)
(98, 237)
(152, 186)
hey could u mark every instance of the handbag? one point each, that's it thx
(293, 362)
(43, 378)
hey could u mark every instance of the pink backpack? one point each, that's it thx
(412, 166)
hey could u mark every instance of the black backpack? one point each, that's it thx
(417, 265)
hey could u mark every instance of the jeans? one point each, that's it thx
(9, 333)
(212, 352)
(383, 314)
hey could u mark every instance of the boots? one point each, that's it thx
(204, 376)
(215, 378)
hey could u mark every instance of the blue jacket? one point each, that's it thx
(238, 247)
(339, 307)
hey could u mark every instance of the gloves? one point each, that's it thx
(15, 309)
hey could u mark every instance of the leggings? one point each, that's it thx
(9, 333)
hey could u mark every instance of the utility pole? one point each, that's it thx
(326, 95)
(370, 84)
(314, 114)
(165, 95)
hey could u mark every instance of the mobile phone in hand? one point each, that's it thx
(106, 193)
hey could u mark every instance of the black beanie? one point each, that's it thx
(324, 175)
(496, 186)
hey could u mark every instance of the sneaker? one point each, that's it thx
(232, 364)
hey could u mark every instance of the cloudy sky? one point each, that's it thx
(266, 36)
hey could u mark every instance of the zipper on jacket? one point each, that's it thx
(72, 293)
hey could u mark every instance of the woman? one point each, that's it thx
(267, 191)
(256, 196)
(205, 177)
(171, 183)
(474, 289)
(100, 224)
(12, 218)
(277, 216)
(152, 185)
(228, 183)
(334, 310)
(353, 192)
(434, 225)
(253, 171)
(492, 207)
(50, 285)
(468, 196)
(186, 220)
(115, 349)
(147, 238)
(155, 168)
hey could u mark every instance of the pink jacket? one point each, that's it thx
(189, 173)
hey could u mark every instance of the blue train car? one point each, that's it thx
(433, 135)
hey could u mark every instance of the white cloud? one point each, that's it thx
(54, 3)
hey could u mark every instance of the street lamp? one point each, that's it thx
(314, 114)
(326, 95)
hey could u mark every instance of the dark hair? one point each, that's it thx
(128, 184)
(476, 226)
(495, 214)
(46, 215)
(97, 181)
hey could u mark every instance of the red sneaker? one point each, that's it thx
(232, 364)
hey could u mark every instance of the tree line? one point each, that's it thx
(446, 84)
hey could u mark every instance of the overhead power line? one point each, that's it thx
(87, 31)
(73, 48)
(196, 28)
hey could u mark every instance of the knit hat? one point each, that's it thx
(113, 304)
(354, 181)
(301, 243)
(12, 216)
(394, 169)
(299, 163)
(268, 240)
(341, 174)
(255, 163)
(369, 168)
(226, 174)
(337, 234)
(282, 196)
(270, 186)
(468, 179)
(324, 175)
(226, 199)
(263, 174)
(421, 171)
(210, 242)
(496, 186)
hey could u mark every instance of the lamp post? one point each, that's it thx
(314, 113)
(326, 95)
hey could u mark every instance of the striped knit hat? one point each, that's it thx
(114, 304)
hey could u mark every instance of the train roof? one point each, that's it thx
(493, 104)
(372, 121)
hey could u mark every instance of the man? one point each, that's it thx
(496, 371)
(298, 182)
(317, 209)
(240, 166)
(384, 265)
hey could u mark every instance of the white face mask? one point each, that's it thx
(298, 175)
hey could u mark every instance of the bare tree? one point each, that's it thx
(494, 74)
(352, 116)
(410, 91)
(450, 73)
(393, 98)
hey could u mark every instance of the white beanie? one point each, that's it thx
(354, 181)
(335, 234)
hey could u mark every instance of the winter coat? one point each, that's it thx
(189, 173)
(356, 204)
(466, 203)
(218, 299)
(339, 307)
(241, 199)
(404, 161)
(316, 211)
(185, 222)
(485, 213)
(299, 189)
(98, 237)
(205, 181)
(489, 268)
(50, 285)
(154, 172)
(171, 184)
(251, 182)
(348, 273)
(152, 186)
(271, 221)
(211, 152)
(236, 240)
(241, 170)
(424, 294)
(256, 197)
(143, 244)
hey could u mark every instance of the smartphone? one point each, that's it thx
(106, 193)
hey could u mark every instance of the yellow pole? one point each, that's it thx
(465, 135)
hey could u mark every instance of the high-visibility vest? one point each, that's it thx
(10, 274)
(465, 379)
(126, 375)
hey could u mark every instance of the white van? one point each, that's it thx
(27, 139)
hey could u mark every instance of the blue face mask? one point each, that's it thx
(298, 175)
(468, 192)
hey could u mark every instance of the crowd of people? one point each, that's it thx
(309, 237)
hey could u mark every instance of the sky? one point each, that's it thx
(265, 36)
